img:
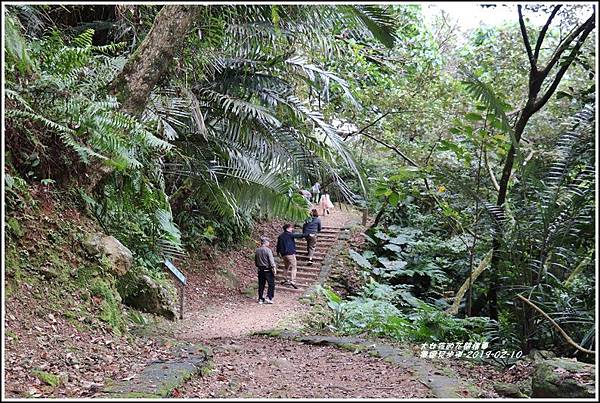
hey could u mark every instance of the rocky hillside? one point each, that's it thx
(67, 329)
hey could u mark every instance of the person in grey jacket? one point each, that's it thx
(310, 230)
(266, 267)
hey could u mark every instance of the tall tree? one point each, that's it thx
(145, 67)
(536, 99)
(154, 56)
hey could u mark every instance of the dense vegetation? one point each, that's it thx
(476, 157)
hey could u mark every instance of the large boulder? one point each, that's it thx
(521, 389)
(120, 258)
(148, 295)
(563, 377)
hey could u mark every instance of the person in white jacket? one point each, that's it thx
(325, 203)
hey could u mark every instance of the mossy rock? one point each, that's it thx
(15, 227)
(517, 390)
(46, 377)
(120, 258)
(149, 295)
(562, 377)
(110, 307)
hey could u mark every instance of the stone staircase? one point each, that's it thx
(307, 274)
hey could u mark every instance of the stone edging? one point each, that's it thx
(330, 257)
(159, 378)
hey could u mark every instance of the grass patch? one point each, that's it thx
(110, 307)
(46, 377)
(355, 348)
(251, 290)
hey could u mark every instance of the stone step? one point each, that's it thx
(301, 283)
(303, 264)
(159, 378)
(304, 257)
(324, 227)
(320, 242)
(324, 231)
(305, 269)
(320, 248)
(306, 276)
(304, 254)
(302, 269)
(282, 288)
(300, 276)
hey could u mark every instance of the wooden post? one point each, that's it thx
(181, 301)
(365, 216)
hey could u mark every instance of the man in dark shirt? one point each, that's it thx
(310, 229)
(265, 265)
(286, 248)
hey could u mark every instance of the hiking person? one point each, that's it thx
(266, 268)
(316, 188)
(306, 194)
(310, 229)
(325, 203)
(286, 248)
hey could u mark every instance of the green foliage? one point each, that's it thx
(110, 305)
(46, 377)
(265, 99)
(377, 311)
(551, 241)
(431, 324)
(87, 121)
(16, 52)
(68, 100)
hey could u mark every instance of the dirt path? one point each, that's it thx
(241, 316)
(257, 366)
(238, 314)
(261, 367)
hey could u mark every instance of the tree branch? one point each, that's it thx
(589, 26)
(567, 41)
(562, 332)
(542, 34)
(391, 147)
(526, 39)
(491, 172)
(375, 121)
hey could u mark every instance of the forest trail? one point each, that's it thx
(238, 314)
(247, 365)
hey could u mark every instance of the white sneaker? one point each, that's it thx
(268, 301)
(260, 301)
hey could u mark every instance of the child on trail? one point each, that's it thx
(266, 267)
(286, 248)
(310, 229)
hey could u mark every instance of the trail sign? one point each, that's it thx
(179, 275)
(181, 278)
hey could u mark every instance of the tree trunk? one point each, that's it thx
(502, 192)
(144, 68)
(537, 76)
(154, 56)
